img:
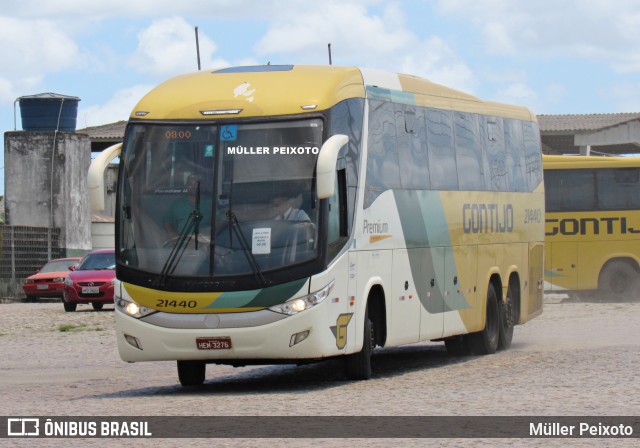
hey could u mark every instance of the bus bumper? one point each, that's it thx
(142, 341)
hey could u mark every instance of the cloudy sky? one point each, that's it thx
(556, 57)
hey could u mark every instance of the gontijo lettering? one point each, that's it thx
(487, 218)
(589, 226)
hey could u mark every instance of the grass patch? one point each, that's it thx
(69, 328)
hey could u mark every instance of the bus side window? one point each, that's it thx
(337, 222)
(514, 145)
(442, 157)
(468, 151)
(533, 162)
(412, 147)
(496, 156)
(570, 190)
(618, 189)
(383, 172)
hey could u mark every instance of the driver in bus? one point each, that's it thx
(287, 208)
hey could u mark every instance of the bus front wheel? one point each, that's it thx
(191, 373)
(485, 342)
(358, 365)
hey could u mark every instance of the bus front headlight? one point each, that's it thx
(299, 304)
(132, 309)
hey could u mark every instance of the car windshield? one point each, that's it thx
(58, 266)
(98, 261)
(219, 200)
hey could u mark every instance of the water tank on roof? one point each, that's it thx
(49, 112)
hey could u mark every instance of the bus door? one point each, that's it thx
(405, 301)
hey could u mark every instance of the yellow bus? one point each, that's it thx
(593, 225)
(290, 214)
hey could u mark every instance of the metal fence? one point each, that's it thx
(24, 250)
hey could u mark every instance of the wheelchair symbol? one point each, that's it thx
(229, 133)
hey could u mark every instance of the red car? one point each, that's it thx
(47, 281)
(92, 281)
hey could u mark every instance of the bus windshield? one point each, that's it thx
(219, 200)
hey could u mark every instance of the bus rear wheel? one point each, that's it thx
(619, 282)
(485, 342)
(191, 373)
(358, 365)
(507, 320)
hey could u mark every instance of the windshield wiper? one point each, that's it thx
(235, 225)
(191, 227)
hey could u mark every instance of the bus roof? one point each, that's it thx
(269, 90)
(570, 162)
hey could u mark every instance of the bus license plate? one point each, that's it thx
(220, 343)
(90, 290)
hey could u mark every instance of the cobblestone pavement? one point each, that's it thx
(575, 359)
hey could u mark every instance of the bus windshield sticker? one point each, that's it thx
(261, 241)
(229, 132)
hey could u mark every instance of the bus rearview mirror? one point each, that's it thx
(326, 166)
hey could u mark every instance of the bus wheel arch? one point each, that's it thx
(619, 279)
(378, 314)
(358, 365)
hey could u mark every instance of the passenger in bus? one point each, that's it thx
(179, 211)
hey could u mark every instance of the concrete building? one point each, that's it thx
(592, 134)
(45, 185)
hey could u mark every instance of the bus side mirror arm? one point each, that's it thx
(95, 178)
(326, 166)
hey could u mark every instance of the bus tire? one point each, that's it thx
(485, 342)
(507, 321)
(191, 373)
(358, 365)
(618, 282)
(457, 346)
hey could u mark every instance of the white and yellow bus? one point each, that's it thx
(288, 214)
(593, 226)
